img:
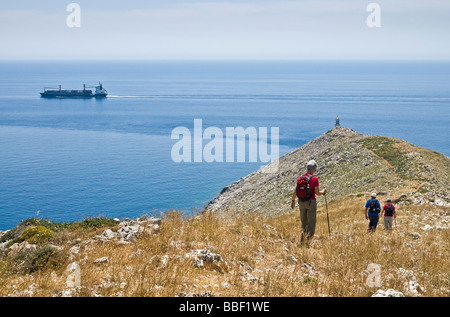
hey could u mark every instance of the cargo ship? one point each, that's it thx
(100, 92)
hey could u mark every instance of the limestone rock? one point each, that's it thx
(388, 293)
(101, 260)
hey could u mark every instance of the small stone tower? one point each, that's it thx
(337, 124)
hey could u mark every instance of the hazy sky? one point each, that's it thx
(247, 29)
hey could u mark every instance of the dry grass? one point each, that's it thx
(262, 257)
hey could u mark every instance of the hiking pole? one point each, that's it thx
(328, 219)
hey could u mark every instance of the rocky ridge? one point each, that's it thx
(349, 163)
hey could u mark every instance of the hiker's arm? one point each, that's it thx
(320, 192)
(367, 216)
(294, 194)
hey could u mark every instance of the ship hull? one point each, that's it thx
(72, 95)
(44, 95)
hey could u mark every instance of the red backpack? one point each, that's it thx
(303, 190)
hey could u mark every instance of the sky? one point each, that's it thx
(225, 30)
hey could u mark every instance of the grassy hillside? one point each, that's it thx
(247, 242)
(241, 255)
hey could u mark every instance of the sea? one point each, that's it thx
(72, 159)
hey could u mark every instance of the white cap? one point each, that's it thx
(373, 195)
(311, 165)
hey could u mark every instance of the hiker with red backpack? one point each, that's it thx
(389, 214)
(306, 190)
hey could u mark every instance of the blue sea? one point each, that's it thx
(69, 159)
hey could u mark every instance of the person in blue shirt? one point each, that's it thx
(373, 209)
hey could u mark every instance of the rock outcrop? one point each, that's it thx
(130, 229)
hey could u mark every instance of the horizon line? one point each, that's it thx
(222, 60)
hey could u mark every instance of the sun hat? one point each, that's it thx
(311, 165)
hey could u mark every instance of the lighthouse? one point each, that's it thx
(337, 124)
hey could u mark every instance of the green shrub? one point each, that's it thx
(98, 222)
(28, 261)
(15, 233)
(309, 279)
(37, 234)
(46, 256)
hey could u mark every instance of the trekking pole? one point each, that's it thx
(328, 219)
